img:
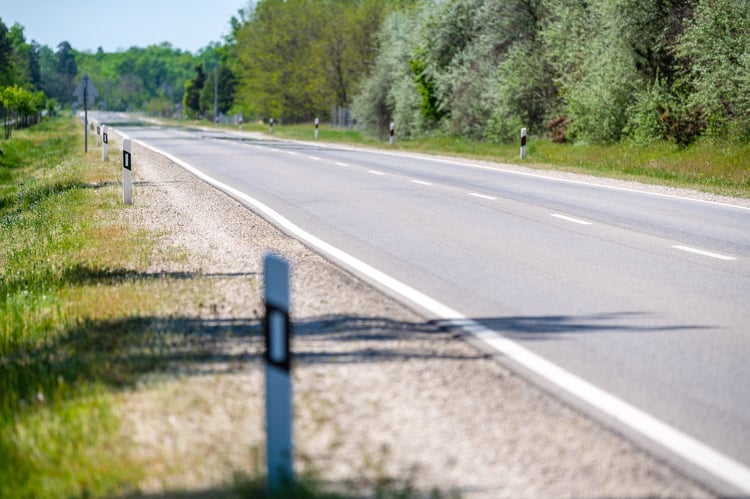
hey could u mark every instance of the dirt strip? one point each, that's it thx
(381, 395)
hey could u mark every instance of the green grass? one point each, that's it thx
(709, 165)
(58, 436)
(83, 325)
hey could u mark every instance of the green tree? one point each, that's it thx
(715, 48)
(224, 85)
(191, 100)
(24, 58)
(296, 59)
(20, 107)
(390, 93)
(6, 54)
(68, 69)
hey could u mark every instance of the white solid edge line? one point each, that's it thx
(703, 252)
(681, 444)
(570, 219)
(342, 164)
(421, 182)
(375, 172)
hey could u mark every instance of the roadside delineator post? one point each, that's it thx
(98, 135)
(105, 144)
(523, 143)
(270, 125)
(277, 332)
(127, 182)
(317, 126)
(392, 138)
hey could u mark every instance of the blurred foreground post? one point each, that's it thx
(276, 329)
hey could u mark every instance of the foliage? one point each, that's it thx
(57, 430)
(715, 48)
(595, 70)
(20, 108)
(224, 82)
(661, 114)
(21, 105)
(390, 93)
(191, 98)
(131, 79)
(525, 92)
(297, 59)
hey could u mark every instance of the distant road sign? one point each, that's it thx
(86, 92)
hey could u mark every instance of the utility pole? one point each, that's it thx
(86, 94)
(216, 92)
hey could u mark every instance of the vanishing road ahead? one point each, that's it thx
(642, 295)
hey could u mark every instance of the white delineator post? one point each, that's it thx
(391, 138)
(98, 135)
(317, 125)
(276, 330)
(270, 125)
(105, 144)
(523, 143)
(127, 181)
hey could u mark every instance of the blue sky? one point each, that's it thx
(88, 24)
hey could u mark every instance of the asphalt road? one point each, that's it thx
(645, 296)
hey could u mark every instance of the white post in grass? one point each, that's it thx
(392, 138)
(127, 182)
(523, 143)
(98, 135)
(317, 125)
(105, 143)
(276, 330)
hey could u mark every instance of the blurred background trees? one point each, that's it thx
(597, 71)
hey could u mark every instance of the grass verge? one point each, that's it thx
(58, 434)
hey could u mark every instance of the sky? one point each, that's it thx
(113, 25)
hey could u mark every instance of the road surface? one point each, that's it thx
(645, 296)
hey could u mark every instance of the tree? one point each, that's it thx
(191, 99)
(6, 53)
(67, 68)
(24, 58)
(715, 48)
(225, 88)
(390, 93)
(20, 107)
(296, 59)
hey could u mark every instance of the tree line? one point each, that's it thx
(34, 77)
(21, 101)
(587, 70)
(576, 70)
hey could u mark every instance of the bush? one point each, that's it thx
(659, 114)
(389, 93)
(715, 48)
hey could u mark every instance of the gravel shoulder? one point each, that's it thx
(381, 395)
